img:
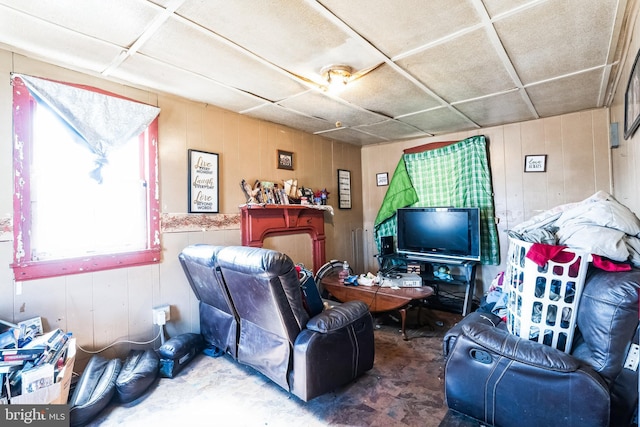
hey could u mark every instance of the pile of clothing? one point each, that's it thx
(599, 225)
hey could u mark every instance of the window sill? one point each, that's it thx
(54, 268)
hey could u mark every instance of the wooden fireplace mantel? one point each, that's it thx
(260, 221)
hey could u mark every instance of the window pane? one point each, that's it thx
(74, 215)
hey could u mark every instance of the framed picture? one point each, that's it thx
(535, 163)
(632, 101)
(382, 179)
(285, 160)
(344, 189)
(203, 182)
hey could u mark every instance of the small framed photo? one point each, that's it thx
(535, 163)
(285, 160)
(382, 179)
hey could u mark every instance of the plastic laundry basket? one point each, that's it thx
(543, 301)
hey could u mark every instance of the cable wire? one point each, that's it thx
(160, 334)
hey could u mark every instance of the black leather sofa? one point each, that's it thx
(504, 380)
(251, 307)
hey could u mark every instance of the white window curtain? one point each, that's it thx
(102, 122)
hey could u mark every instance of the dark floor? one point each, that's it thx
(404, 388)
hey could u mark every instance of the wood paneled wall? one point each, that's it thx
(578, 165)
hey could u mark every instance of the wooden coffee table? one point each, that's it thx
(379, 299)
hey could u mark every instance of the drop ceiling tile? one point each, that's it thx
(464, 68)
(393, 130)
(352, 136)
(506, 108)
(438, 121)
(290, 33)
(147, 72)
(499, 7)
(216, 60)
(395, 28)
(51, 42)
(277, 114)
(117, 21)
(315, 104)
(381, 89)
(575, 93)
(557, 37)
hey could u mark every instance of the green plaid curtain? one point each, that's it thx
(455, 175)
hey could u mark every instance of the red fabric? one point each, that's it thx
(607, 265)
(541, 253)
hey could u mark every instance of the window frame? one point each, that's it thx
(26, 269)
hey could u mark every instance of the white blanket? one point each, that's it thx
(599, 225)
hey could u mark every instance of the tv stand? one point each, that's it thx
(463, 276)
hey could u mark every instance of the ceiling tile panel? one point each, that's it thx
(575, 93)
(499, 7)
(147, 72)
(210, 57)
(117, 21)
(397, 28)
(277, 114)
(315, 104)
(557, 37)
(393, 130)
(289, 33)
(464, 68)
(506, 108)
(352, 136)
(382, 89)
(43, 40)
(438, 121)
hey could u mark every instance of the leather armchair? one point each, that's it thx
(218, 318)
(504, 380)
(307, 356)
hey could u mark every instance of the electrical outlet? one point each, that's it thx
(161, 315)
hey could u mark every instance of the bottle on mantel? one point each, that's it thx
(344, 273)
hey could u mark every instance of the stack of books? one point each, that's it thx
(33, 365)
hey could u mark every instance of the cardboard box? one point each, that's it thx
(58, 393)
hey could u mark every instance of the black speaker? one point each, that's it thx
(386, 245)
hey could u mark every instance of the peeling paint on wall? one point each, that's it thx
(6, 229)
(175, 223)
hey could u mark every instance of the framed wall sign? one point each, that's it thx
(382, 179)
(203, 182)
(632, 101)
(285, 160)
(535, 163)
(344, 189)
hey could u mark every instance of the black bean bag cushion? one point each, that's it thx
(94, 390)
(139, 371)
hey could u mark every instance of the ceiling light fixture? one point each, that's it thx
(337, 76)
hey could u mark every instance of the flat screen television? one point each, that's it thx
(442, 234)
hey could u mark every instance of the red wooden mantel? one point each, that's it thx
(260, 221)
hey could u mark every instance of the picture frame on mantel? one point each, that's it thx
(632, 101)
(204, 176)
(344, 189)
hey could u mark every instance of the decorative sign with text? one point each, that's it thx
(535, 163)
(203, 182)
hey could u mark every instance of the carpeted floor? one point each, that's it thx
(404, 388)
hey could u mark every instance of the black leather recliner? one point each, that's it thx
(504, 380)
(276, 336)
